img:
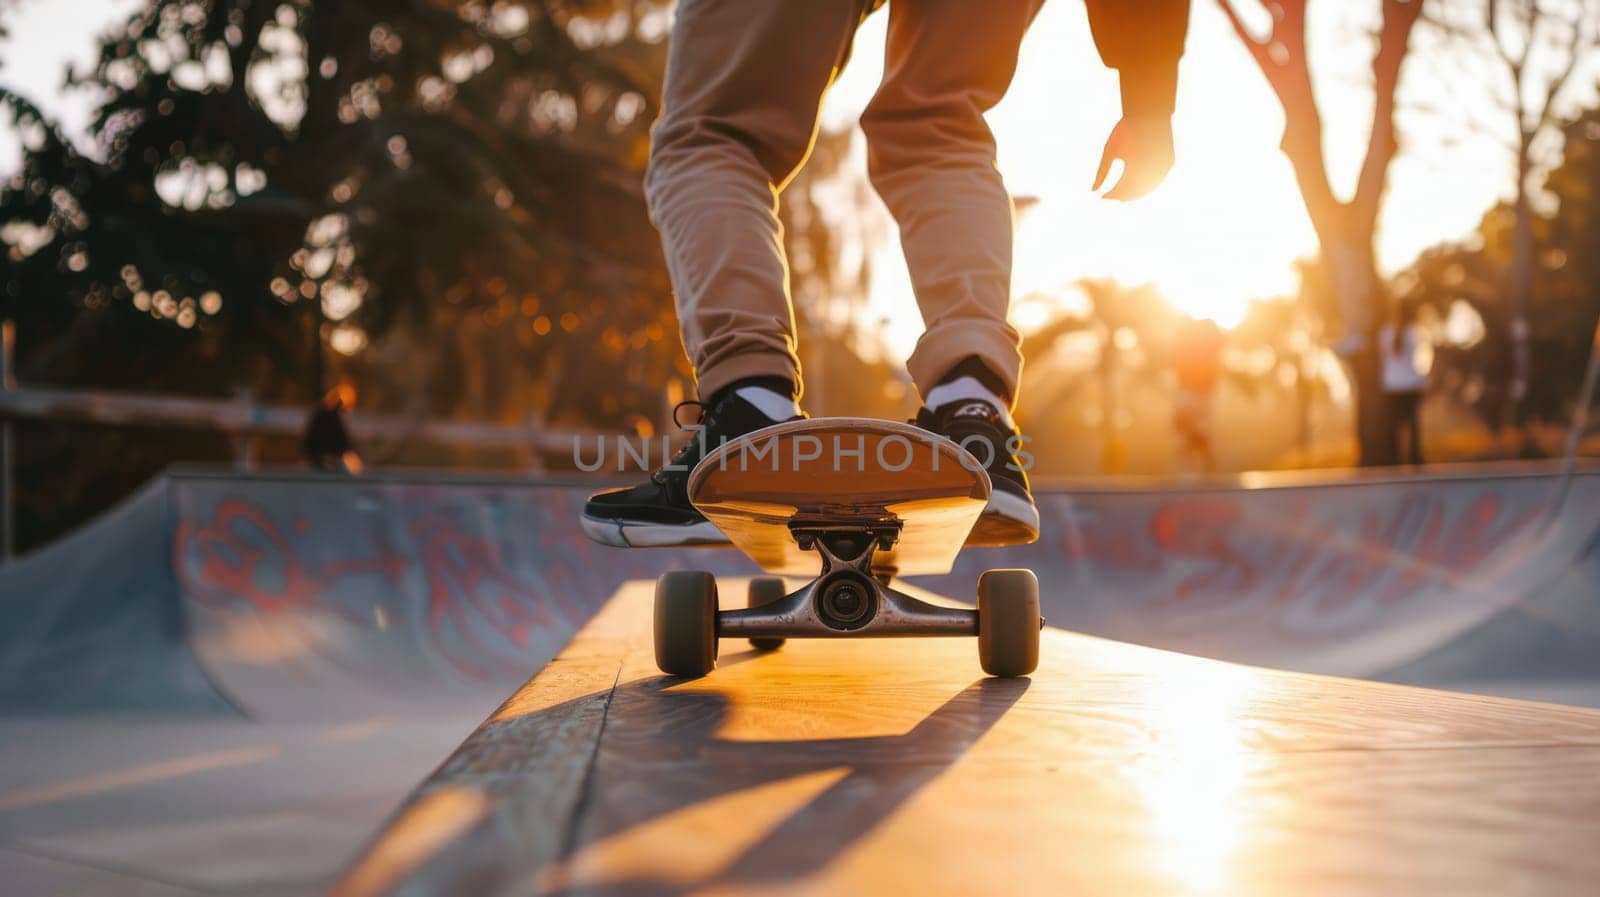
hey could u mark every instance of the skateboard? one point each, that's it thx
(850, 503)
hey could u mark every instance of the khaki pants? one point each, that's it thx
(744, 82)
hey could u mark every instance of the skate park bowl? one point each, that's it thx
(231, 683)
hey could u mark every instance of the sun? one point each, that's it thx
(1224, 229)
(1228, 225)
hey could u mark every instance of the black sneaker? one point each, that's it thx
(1011, 517)
(657, 512)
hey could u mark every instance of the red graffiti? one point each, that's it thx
(1229, 549)
(242, 554)
(1198, 528)
(471, 590)
(478, 608)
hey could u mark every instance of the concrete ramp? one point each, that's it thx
(227, 683)
(94, 623)
(306, 597)
(893, 767)
(312, 597)
(1365, 575)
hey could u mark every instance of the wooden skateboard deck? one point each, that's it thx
(842, 471)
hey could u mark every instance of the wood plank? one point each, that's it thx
(894, 766)
(842, 470)
(507, 792)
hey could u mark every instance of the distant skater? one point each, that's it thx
(1403, 380)
(745, 80)
(327, 443)
(1198, 363)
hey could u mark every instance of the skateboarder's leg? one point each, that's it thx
(744, 81)
(932, 159)
(739, 113)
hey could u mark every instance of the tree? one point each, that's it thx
(278, 175)
(1128, 333)
(1345, 228)
(1564, 298)
(441, 200)
(1534, 48)
(280, 183)
(1565, 295)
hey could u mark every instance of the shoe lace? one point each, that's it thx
(700, 407)
(681, 459)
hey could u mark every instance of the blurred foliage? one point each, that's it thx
(1099, 383)
(1102, 375)
(277, 174)
(439, 201)
(1473, 363)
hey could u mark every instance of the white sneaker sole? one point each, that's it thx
(1014, 508)
(639, 534)
(1008, 520)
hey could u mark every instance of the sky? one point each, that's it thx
(1225, 228)
(44, 40)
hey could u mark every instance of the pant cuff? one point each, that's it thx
(997, 345)
(752, 364)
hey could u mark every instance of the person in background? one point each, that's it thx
(327, 442)
(1404, 377)
(1198, 363)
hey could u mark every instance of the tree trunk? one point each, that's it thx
(1520, 293)
(1375, 430)
(317, 375)
(1110, 453)
(1344, 229)
(1303, 396)
(1352, 265)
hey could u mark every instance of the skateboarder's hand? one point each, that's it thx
(1145, 147)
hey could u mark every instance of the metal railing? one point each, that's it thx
(240, 417)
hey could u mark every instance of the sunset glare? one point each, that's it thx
(1228, 224)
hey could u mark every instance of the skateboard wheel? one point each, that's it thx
(686, 623)
(1008, 622)
(765, 590)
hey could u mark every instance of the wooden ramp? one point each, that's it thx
(894, 768)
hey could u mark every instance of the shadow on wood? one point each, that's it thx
(839, 767)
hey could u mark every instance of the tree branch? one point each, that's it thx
(1288, 74)
(1575, 54)
(1256, 46)
(1399, 19)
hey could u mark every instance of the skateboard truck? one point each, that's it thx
(848, 598)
